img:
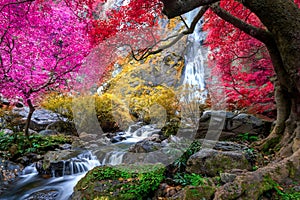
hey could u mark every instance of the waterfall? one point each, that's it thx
(79, 164)
(195, 61)
(193, 79)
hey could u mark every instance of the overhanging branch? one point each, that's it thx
(188, 31)
(174, 8)
(258, 33)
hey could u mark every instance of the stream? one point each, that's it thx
(31, 185)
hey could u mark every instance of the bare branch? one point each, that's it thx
(149, 51)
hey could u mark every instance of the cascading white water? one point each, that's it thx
(132, 135)
(31, 184)
(195, 61)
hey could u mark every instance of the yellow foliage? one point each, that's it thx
(107, 109)
(58, 103)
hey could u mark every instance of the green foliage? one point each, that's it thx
(180, 163)
(171, 127)
(125, 182)
(248, 137)
(189, 179)
(16, 145)
(282, 195)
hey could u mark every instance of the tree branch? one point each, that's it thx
(258, 33)
(174, 8)
(188, 31)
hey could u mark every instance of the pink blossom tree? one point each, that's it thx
(42, 46)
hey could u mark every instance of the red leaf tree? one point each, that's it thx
(242, 62)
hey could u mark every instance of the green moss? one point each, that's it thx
(126, 182)
(269, 144)
(201, 192)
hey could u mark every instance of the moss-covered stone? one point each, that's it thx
(122, 182)
(211, 162)
(200, 192)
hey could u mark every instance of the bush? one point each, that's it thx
(90, 111)
(153, 104)
(16, 145)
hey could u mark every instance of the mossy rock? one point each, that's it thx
(199, 192)
(211, 162)
(120, 182)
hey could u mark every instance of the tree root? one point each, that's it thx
(252, 185)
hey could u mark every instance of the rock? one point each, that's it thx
(211, 162)
(8, 173)
(65, 146)
(48, 132)
(144, 146)
(234, 124)
(64, 127)
(296, 188)
(7, 131)
(198, 192)
(108, 182)
(41, 118)
(227, 177)
(49, 194)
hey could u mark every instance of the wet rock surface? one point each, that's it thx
(44, 195)
(41, 118)
(9, 172)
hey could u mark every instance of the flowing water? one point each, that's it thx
(32, 186)
(60, 186)
(195, 62)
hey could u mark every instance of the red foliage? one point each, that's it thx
(241, 61)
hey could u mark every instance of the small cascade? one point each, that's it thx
(113, 158)
(123, 140)
(33, 186)
(79, 164)
(30, 169)
(138, 132)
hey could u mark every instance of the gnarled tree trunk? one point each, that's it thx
(282, 38)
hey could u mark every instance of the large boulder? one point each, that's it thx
(64, 127)
(41, 118)
(145, 146)
(232, 124)
(211, 162)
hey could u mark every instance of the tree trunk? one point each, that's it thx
(28, 120)
(282, 20)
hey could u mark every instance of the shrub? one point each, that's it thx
(16, 145)
(107, 109)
